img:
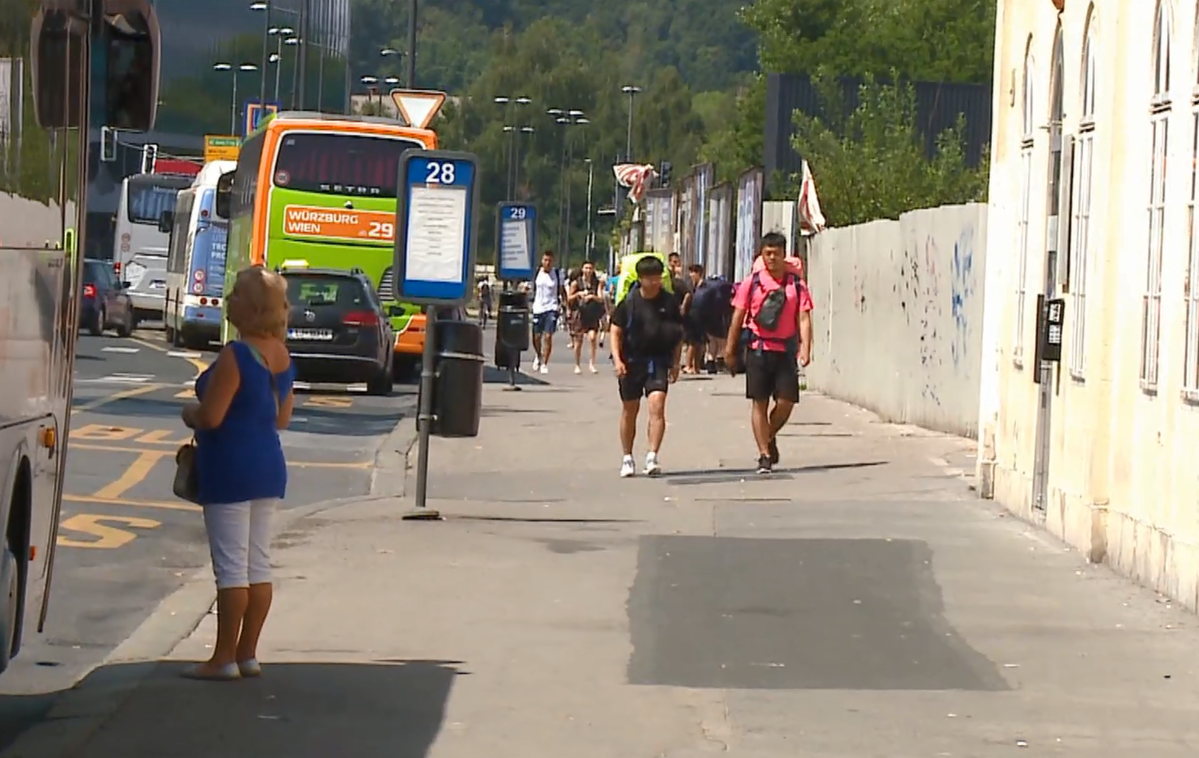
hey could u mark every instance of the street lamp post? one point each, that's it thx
(281, 34)
(265, 8)
(519, 158)
(233, 110)
(566, 119)
(513, 129)
(632, 91)
(574, 118)
(295, 73)
(372, 90)
(413, 9)
(589, 243)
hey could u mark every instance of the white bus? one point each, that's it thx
(196, 261)
(139, 246)
(42, 209)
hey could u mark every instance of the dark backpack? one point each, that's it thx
(712, 305)
(630, 334)
(748, 338)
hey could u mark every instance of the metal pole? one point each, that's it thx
(266, 25)
(302, 51)
(412, 11)
(320, 82)
(424, 420)
(516, 166)
(590, 177)
(628, 145)
(278, 62)
(233, 114)
(570, 157)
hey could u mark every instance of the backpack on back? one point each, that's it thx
(712, 305)
(628, 275)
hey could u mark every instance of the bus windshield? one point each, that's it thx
(340, 164)
(148, 198)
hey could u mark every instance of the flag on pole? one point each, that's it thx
(811, 218)
(635, 177)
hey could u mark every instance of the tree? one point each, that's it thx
(870, 163)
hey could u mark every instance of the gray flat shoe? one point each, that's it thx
(199, 671)
(250, 667)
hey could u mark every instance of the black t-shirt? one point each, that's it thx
(681, 288)
(656, 328)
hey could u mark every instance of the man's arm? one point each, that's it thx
(805, 337)
(736, 325)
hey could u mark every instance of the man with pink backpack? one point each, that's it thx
(769, 337)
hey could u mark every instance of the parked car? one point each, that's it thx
(106, 300)
(337, 331)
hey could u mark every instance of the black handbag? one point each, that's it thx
(187, 479)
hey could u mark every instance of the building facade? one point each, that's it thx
(196, 99)
(1092, 208)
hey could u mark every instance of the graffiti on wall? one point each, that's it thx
(962, 293)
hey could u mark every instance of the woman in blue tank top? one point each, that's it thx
(245, 399)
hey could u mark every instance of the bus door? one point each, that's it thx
(179, 224)
(199, 306)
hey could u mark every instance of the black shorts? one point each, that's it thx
(771, 374)
(643, 379)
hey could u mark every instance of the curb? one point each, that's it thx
(389, 477)
(77, 713)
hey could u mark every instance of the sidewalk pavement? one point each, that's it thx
(858, 603)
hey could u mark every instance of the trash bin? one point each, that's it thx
(458, 379)
(511, 329)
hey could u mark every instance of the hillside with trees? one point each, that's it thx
(699, 64)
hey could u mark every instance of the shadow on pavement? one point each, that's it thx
(19, 712)
(298, 710)
(493, 375)
(545, 520)
(726, 475)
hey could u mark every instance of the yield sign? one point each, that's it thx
(418, 107)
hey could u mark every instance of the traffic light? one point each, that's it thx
(149, 158)
(108, 144)
(664, 174)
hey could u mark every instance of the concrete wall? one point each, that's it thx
(898, 318)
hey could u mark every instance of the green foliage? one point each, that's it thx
(870, 163)
(922, 40)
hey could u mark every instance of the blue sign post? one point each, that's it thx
(436, 220)
(256, 112)
(516, 241)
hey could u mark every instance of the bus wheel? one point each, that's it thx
(10, 584)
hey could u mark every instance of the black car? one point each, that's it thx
(337, 331)
(106, 301)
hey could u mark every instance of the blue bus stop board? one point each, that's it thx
(516, 241)
(435, 224)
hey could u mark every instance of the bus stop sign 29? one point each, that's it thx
(436, 227)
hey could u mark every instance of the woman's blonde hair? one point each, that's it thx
(258, 304)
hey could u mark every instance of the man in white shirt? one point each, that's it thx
(547, 304)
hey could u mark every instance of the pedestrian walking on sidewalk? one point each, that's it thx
(245, 398)
(588, 303)
(647, 340)
(771, 334)
(548, 289)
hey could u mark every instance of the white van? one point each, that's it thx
(195, 263)
(140, 253)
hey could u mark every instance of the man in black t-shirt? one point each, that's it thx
(647, 340)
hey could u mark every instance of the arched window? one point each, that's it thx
(1027, 136)
(1159, 116)
(1080, 237)
(1190, 379)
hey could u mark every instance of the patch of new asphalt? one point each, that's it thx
(128, 394)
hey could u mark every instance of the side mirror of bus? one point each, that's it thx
(166, 222)
(131, 64)
(224, 194)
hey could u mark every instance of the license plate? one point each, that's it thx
(324, 335)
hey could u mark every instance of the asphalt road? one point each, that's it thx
(126, 542)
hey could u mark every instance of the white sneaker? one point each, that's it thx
(594, 370)
(578, 370)
(545, 369)
(652, 467)
(627, 467)
(536, 363)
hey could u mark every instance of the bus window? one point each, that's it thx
(340, 164)
(245, 179)
(148, 201)
(177, 256)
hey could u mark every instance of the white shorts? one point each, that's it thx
(239, 538)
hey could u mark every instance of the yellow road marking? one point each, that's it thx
(187, 394)
(92, 405)
(199, 364)
(329, 402)
(134, 475)
(161, 437)
(104, 433)
(177, 505)
(297, 464)
(107, 537)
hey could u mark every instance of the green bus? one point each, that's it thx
(318, 190)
